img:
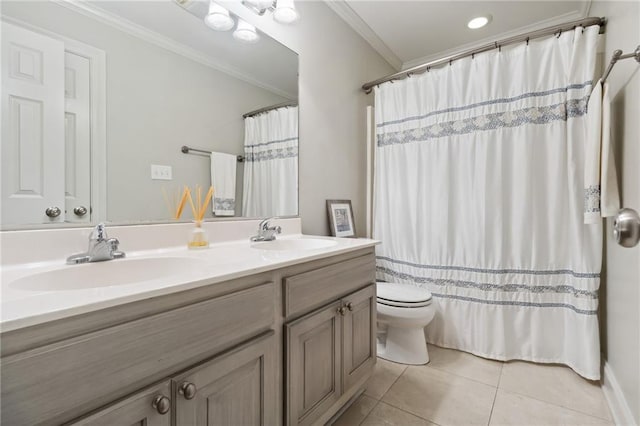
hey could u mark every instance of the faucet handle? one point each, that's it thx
(99, 233)
(264, 225)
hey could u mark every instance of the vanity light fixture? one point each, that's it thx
(479, 22)
(245, 32)
(284, 11)
(218, 18)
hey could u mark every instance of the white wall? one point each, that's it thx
(334, 63)
(620, 307)
(157, 101)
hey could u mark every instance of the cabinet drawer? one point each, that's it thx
(310, 290)
(58, 382)
(138, 409)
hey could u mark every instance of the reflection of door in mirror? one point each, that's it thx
(46, 113)
(77, 138)
(32, 128)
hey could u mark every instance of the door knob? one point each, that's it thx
(626, 228)
(80, 210)
(162, 404)
(53, 211)
(349, 306)
(188, 390)
(341, 310)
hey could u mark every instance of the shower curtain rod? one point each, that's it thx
(556, 29)
(269, 108)
(617, 56)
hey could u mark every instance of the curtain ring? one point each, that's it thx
(559, 33)
(473, 56)
(428, 69)
(500, 48)
(527, 41)
(496, 43)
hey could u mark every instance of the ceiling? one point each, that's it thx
(408, 33)
(266, 64)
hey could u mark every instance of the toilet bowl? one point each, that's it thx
(403, 313)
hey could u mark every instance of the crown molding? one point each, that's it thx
(342, 9)
(557, 20)
(94, 12)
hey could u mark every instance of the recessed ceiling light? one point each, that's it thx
(479, 22)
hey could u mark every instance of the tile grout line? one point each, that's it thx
(398, 408)
(495, 396)
(557, 405)
(369, 413)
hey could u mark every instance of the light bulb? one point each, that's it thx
(245, 32)
(285, 12)
(218, 18)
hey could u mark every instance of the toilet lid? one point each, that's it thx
(402, 295)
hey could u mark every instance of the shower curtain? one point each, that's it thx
(270, 185)
(479, 198)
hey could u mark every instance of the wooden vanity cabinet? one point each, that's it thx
(234, 388)
(288, 346)
(328, 353)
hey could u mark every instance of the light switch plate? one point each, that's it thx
(160, 172)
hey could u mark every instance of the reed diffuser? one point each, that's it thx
(198, 238)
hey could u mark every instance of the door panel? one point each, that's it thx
(32, 126)
(77, 137)
(313, 349)
(359, 345)
(235, 388)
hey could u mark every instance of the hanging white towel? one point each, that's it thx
(601, 198)
(223, 180)
(610, 200)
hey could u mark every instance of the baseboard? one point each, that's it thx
(620, 410)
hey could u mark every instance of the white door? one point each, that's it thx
(33, 151)
(77, 128)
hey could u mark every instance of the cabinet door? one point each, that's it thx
(313, 348)
(359, 335)
(150, 407)
(235, 388)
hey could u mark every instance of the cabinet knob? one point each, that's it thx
(162, 404)
(349, 306)
(80, 210)
(341, 310)
(188, 390)
(53, 211)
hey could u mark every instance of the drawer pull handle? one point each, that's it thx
(349, 306)
(162, 404)
(341, 310)
(188, 390)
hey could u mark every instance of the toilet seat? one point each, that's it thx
(402, 295)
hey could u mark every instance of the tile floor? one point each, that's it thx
(457, 388)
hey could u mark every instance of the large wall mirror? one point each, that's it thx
(111, 108)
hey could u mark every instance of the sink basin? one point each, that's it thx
(294, 244)
(106, 274)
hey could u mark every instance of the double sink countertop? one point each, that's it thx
(38, 292)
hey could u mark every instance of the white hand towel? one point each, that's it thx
(610, 197)
(223, 180)
(601, 197)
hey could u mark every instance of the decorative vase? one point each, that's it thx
(198, 238)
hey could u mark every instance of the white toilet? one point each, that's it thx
(403, 313)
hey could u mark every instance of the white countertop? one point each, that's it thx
(221, 262)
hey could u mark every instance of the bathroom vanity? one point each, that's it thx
(288, 338)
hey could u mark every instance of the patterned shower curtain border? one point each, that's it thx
(565, 89)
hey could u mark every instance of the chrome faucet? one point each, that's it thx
(266, 232)
(100, 248)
